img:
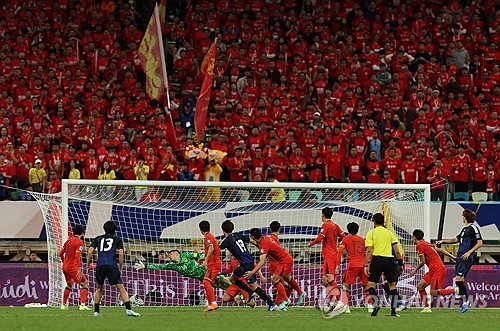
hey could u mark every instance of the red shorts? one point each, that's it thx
(354, 272)
(233, 291)
(271, 267)
(435, 278)
(212, 272)
(329, 266)
(72, 276)
(284, 267)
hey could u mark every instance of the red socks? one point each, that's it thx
(209, 291)
(423, 297)
(281, 291)
(368, 298)
(333, 291)
(66, 294)
(446, 291)
(83, 295)
(295, 286)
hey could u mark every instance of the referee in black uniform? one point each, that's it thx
(379, 259)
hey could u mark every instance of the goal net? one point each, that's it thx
(162, 216)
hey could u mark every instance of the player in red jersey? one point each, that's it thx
(273, 264)
(212, 263)
(71, 257)
(355, 247)
(328, 236)
(429, 255)
(267, 246)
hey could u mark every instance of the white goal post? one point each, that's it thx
(161, 215)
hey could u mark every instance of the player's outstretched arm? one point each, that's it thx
(318, 239)
(447, 241)
(259, 265)
(445, 253)
(419, 265)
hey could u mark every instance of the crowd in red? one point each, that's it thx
(313, 90)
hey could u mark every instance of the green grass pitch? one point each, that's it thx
(233, 318)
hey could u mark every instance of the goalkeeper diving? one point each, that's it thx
(185, 263)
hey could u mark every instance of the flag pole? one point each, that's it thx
(162, 52)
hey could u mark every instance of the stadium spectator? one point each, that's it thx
(38, 177)
(287, 73)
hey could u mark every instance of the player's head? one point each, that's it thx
(378, 219)
(417, 235)
(468, 216)
(174, 255)
(275, 226)
(78, 230)
(227, 226)
(326, 213)
(109, 227)
(204, 226)
(255, 234)
(352, 228)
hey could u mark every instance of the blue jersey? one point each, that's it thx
(107, 245)
(237, 244)
(468, 238)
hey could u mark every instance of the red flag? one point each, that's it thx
(171, 137)
(200, 117)
(162, 9)
(152, 58)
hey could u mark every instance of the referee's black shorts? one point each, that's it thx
(382, 264)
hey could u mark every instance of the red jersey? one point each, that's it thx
(461, 166)
(479, 169)
(392, 165)
(432, 258)
(335, 164)
(409, 169)
(71, 253)
(214, 260)
(268, 246)
(355, 246)
(355, 168)
(272, 262)
(328, 234)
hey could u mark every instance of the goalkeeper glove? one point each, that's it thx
(140, 265)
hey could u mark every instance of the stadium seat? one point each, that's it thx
(479, 196)
(318, 194)
(461, 196)
(293, 196)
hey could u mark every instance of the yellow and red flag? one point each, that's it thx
(152, 58)
(200, 117)
(162, 9)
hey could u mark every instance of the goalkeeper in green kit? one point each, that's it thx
(186, 264)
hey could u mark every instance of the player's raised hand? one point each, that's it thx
(140, 265)
(439, 242)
